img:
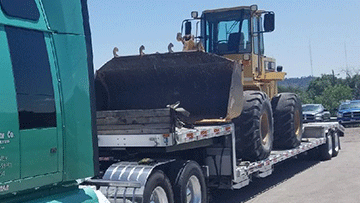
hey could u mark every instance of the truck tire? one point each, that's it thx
(326, 150)
(288, 121)
(158, 189)
(190, 185)
(335, 144)
(254, 127)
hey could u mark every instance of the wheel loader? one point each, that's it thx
(221, 76)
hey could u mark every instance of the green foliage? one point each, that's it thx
(327, 90)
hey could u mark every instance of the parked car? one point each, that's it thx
(315, 113)
(349, 112)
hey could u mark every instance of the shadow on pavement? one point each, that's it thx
(282, 172)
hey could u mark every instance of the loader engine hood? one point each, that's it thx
(207, 85)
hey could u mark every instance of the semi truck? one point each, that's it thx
(148, 128)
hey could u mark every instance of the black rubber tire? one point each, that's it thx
(335, 143)
(326, 150)
(288, 120)
(158, 179)
(190, 170)
(254, 142)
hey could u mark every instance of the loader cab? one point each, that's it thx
(237, 30)
(227, 32)
(237, 33)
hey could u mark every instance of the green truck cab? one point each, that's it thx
(47, 135)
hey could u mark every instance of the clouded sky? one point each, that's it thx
(331, 27)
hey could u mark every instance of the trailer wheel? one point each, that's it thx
(335, 144)
(190, 185)
(158, 189)
(288, 121)
(254, 127)
(326, 150)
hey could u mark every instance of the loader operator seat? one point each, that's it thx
(235, 41)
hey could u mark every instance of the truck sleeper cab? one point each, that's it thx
(45, 112)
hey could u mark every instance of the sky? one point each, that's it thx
(330, 27)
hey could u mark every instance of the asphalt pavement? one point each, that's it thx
(302, 180)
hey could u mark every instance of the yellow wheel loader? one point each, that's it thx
(221, 76)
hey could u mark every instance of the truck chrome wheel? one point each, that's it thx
(330, 145)
(190, 184)
(158, 195)
(336, 144)
(193, 190)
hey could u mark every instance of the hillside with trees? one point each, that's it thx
(327, 89)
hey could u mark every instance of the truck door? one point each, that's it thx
(37, 97)
(9, 127)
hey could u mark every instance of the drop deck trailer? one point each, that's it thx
(161, 143)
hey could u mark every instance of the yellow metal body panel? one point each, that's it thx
(271, 76)
(264, 78)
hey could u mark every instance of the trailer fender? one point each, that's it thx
(127, 180)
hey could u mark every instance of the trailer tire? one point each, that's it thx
(326, 150)
(335, 144)
(190, 185)
(158, 188)
(288, 121)
(254, 127)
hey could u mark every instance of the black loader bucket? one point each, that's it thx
(206, 85)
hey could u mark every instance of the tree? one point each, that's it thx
(332, 96)
(327, 90)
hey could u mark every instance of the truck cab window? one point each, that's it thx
(25, 9)
(33, 82)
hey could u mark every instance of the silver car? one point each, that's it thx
(315, 113)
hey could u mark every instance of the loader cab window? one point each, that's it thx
(25, 9)
(227, 32)
(257, 22)
(33, 82)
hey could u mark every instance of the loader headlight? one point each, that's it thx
(194, 14)
(246, 57)
(253, 7)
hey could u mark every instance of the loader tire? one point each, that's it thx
(254, 127)
(288, 121)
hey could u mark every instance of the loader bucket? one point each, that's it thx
(207, 85)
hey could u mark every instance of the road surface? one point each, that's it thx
(299, 181)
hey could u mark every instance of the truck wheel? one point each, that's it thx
(190, 186)
(288, 121)
(336, 144)
(158, 189)
(326, 150)
(254, 127)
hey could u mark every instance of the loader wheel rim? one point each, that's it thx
(264, 129)
(193, 190)
(297, 125)
(158, 195)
